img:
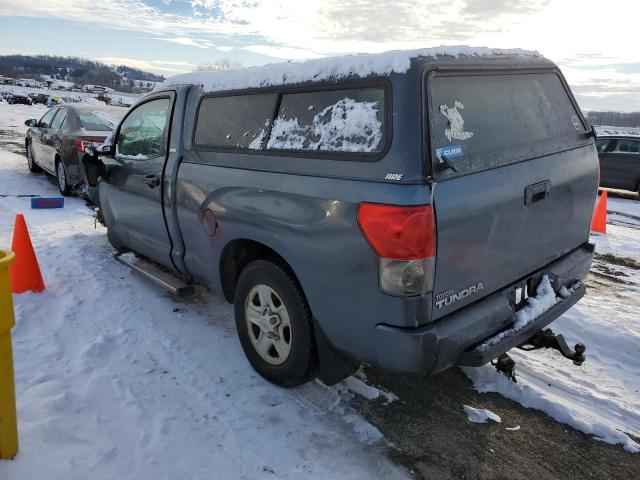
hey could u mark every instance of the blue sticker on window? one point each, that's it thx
(451, 151)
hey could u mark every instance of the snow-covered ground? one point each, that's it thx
(116, 379)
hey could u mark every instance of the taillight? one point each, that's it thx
(400, 233)
(405, 240)
(81, 145)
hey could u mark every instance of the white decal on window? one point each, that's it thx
(456, 122)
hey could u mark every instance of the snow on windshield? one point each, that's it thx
(347, 125)
(361, 65)
(97, 120)
(107, 119)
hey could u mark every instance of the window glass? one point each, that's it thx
(626, 146)
(98, 121)
(59, 121)
(237, 121)
(486, 121)
(45, 121)
(601, 145)
(330, 121)
(143, 133)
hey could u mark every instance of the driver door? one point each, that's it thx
(131, 192)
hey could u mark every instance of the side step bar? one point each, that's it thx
(155, 273)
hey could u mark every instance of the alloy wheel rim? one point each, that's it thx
(268, 324)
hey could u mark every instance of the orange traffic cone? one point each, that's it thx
(24, 272)
(599, 222)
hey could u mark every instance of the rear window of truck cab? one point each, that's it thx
(347, 120)
(483, 121)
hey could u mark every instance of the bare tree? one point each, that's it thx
(219, 65)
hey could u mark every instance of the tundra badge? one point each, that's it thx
(447, 298)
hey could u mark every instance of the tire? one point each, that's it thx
(61, 179)
(31, 162)
(281, 328)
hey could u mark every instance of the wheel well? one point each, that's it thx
(237, 254)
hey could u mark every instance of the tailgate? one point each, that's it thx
(516, 180)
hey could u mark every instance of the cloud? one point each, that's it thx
(295, 29)
(190, 42)
(170, 67)
(483, 10)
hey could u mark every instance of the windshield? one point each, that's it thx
(487, 121)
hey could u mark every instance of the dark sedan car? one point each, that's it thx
(18, 97)
(619, 162)
(57, 141)
(40, 98)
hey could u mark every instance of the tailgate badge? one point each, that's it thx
(445, 299)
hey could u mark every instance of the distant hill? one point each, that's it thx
(616, 119)
(77, 70)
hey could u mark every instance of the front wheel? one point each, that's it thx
(31, 162)
(274, 324)
(61, 176)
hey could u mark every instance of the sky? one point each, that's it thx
(593, 41)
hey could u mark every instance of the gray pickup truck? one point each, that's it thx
(414, 210)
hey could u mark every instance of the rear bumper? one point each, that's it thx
(453, 340)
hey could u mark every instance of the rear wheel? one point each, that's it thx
(61, 176)
(274, 324)
(31, 163)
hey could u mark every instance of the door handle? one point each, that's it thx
(537, 192)
(152, 181)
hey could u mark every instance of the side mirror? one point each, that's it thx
(32, 122)
(106, 149)
(93, 167)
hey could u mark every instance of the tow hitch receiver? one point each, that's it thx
(542, 339)
(548, 339)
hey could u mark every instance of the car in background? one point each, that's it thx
(40, 98)
(19, 97)
(57, 141)
(619, 161)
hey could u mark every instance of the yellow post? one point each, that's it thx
(8, 421)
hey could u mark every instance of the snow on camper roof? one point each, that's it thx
(361, 65)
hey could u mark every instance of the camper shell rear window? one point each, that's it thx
(480, 121)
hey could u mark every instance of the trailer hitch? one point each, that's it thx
(506, 366)
(548, 339)
(542, 339)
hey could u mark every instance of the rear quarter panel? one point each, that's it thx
(312, 223)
